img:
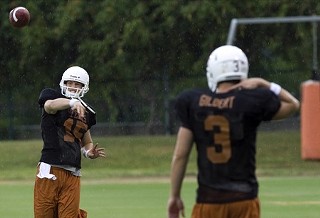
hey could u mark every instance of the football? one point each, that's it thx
(19, 17)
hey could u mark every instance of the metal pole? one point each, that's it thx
(232, 31)
(265, 20)
(10, 109)
(315, 49)
(166, 103)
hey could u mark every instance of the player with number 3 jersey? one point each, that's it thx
(222, 121)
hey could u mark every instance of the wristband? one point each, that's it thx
(275, 88)
(72, 102)
(85, 152)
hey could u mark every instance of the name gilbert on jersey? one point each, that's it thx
(221, 103)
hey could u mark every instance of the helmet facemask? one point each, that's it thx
(72, 92)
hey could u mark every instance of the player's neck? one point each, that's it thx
(224, 87)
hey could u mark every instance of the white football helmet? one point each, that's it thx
(226, 63)
(76, 74)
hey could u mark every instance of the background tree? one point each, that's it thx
(140, 54)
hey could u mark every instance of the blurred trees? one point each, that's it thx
(140, 54)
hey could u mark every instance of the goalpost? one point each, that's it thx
(310, 106)
(267, 20)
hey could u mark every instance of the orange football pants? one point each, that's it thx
(58, 198)
(239, 209)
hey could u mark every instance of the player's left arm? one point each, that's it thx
(289, 104)
(89, 150)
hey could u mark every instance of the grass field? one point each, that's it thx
(133, 181)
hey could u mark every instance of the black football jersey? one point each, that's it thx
(224, 127)
(62, 132)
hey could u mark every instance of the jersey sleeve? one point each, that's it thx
(182, 109)
(47, 94)
(271, 106)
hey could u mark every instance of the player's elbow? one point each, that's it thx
(287, 110)
(49, 107)
(296, 105)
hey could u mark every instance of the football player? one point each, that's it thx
(65, 124)
(223, 122)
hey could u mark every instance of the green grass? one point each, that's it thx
(281, 197)
(278, 154)
(290, 197)
(133, 181)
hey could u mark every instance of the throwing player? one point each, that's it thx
(65, 125)
(222, 121)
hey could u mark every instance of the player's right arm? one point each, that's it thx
(52, 106)
(178, 169)
(52, 102)
(181, 153)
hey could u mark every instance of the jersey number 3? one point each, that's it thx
(220, 151)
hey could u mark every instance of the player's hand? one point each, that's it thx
(175, 208)
(96, 152)
(81, 110)
(250, 83)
